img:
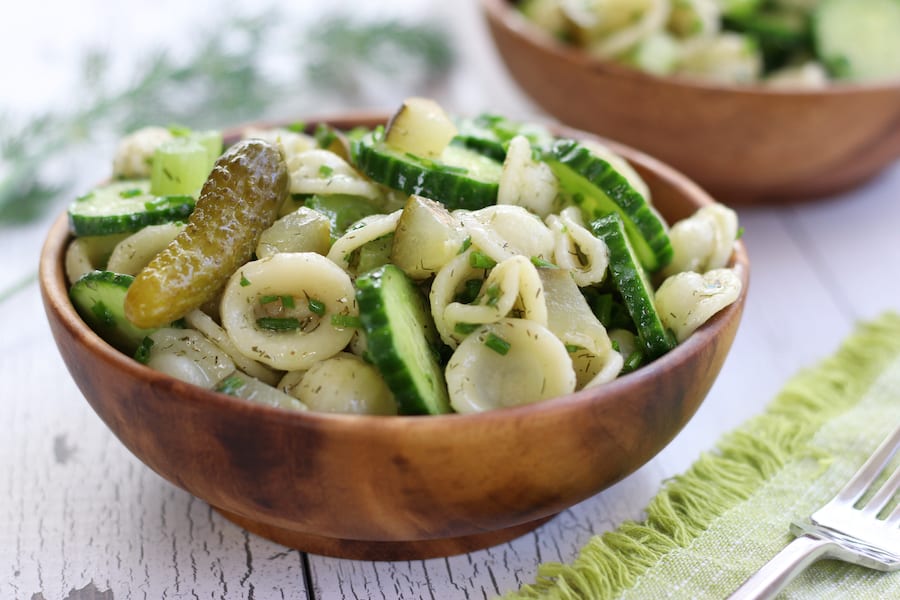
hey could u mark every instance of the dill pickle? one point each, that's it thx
(238, 201)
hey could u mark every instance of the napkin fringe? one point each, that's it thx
(719, 480)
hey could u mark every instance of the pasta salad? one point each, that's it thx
(430, 265)
(802, 44)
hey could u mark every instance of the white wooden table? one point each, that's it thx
(80, 518)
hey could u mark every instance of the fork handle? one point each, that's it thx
(783, 567)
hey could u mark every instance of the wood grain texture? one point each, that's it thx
(744, 144)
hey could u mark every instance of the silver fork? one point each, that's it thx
(840, 530)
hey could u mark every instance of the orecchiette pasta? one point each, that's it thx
(135, 151)
(361, 233)
(448, 282)
(502, 231)
(578, 250)
(704, 240)
(343, 383)
(508, 363)
(188, 355)
(88, 253)
(652, 18)
(571, 319)
(134, 252)
(512, 286)
(205, 324)
(526, 182)
(306, 290)
(687, 300)
(323, 172)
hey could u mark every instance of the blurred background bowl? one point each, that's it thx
(392, 488)
(744, 144)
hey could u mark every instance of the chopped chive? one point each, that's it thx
(244, 281)
(287, 301)
(497, 344)
(131, 193)
(634, 360)
(571, 348)
(142, 354)
(278, 323)
(469, 292)
(179, 130)
(230, 385)
(325, 135)
(465, 245)
(325, 170)
(297, 127)
(740, 233)
(316, 306)
(268, 299)
(541, 263)
(615, 345)
(480, 260)
(465, 328)
(492, 293)
(347, 321)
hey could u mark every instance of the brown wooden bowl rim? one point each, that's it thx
(502, 13)
(53, 286)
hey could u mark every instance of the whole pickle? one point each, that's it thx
(239, 200)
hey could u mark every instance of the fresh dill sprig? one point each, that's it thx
(223, 81)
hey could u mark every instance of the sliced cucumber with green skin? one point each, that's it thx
(99, 297)
(123, 207)
(342, 210)
(489, 134)
(600, 190)
(462, 178)
(401, 340)
(633, 284)
(858, 39)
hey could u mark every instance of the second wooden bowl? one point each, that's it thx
(744, 144)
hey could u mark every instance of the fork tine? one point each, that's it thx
(863, 478)
(884, 495)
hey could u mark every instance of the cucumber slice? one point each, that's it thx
(341, 210)
(858, 39)
(461, 178)
(180, 166)
(401, 340)
(123, 207)
(780, 33)
(600, 190)
(99, 297)
(634, 286)
(489, 134)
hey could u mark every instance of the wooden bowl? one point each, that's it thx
(744, 144)
(391, 488)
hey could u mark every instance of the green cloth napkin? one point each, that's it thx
(711, 527)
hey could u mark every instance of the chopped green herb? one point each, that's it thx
(131, 193)
(345, 321)
(231, 385)
(325, 135)
(492, 293)
(465, 328)
(287, 302)
(571, 348)
(278, 323)
(497, 344)
(142, 354)
(480, 260)
(244, 281)
(542, 264)
(325, 171)
(634, 360)
(316, 306)
(297, 127)
(465, 245)
(470, 291)
(268, 299)
(740, 233)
